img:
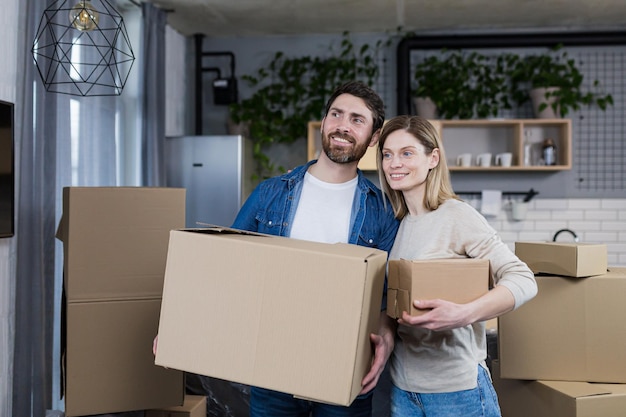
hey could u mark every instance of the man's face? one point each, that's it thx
(347, 129)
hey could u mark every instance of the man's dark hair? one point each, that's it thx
(371, 98)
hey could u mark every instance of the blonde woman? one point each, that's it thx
(438, 361)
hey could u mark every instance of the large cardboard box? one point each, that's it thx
(457, 280)
(115, 248)
(567, 259)
(572, 330)
(279, 313)
(193, 406)
(522, 398)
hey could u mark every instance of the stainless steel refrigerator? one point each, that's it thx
(215, 170)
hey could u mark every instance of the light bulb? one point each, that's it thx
(83, 16)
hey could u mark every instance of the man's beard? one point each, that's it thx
(343, 154)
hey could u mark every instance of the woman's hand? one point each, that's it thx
(439, 315)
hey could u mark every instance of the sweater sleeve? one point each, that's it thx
(482, 241)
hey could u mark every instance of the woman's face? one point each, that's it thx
(404, 161)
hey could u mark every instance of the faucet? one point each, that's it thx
(565, 230)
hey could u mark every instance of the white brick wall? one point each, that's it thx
(593, 220)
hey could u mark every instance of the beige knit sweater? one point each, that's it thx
(426, 361)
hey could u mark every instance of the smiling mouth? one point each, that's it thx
(397, 176)
(341, 139)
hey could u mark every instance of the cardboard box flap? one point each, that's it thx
(341, 249)
(213, 229)
(578, 389)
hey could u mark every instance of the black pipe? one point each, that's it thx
(224, 53)
(198, 84)
(503, 41)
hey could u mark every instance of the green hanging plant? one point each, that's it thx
(291, 91)
(554, 69)
(463, 85)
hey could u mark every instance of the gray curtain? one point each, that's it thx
(153, 99)
(65, 141)
(34, 287)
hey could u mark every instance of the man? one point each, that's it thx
(327, 200)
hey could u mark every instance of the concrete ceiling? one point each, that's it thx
(217, 18)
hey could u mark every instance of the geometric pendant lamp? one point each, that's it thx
(82, 48)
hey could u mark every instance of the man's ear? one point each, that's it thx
(375, 138)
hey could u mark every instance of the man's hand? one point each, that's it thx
(383, 346)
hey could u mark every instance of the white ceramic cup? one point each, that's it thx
(464, 160)
(504, 159)
(483, 160)
(518, 210)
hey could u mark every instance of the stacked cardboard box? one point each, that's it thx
(115, 247)
(570, 332)
(193, 406)
(538, 398)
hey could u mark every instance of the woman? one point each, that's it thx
(438, 362)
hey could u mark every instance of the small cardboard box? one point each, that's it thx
(457, 280)
(284, 314)
(567, 259)
(522, 398)
(115, 249)
(194, 406)
(571, 331)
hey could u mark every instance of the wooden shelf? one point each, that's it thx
(484, 136)
(506, 135)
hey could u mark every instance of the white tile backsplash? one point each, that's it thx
(608, 214)
(582, 225)
(551, 204)
(583, 203)
(593, 220)
(614, 203)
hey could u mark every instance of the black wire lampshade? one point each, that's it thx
(82, 49)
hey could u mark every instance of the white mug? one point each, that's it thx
(464, 160)
(483, 160)
(504, 159)
(518, 210)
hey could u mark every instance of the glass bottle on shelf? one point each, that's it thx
(528, 148)
(549, 152)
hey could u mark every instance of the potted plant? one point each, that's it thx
(291, 91)
(555, 82)
(462, 85)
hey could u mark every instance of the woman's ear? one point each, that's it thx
(434, 158)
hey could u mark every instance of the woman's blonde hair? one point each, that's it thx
(438, 184)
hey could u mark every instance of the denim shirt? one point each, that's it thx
(271, 208)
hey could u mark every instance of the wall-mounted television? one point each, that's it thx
(7, 169)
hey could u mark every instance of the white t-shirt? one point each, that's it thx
(324, 211)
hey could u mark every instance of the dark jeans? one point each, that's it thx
(267, 403)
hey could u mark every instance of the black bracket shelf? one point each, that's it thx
(528, 194)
